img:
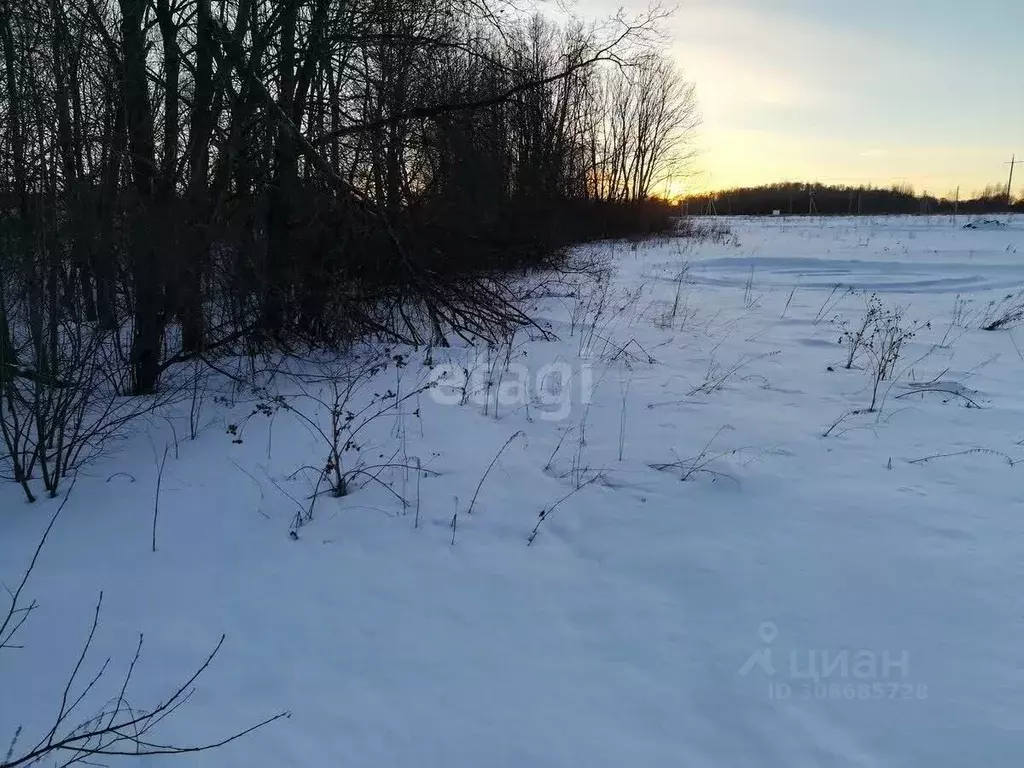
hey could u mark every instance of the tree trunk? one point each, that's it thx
(147, 272)
(284, 185)
(172, 72)
(190, 281)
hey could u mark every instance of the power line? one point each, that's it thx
(1009, 184)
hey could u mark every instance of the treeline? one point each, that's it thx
(183, 178)
(819, 199)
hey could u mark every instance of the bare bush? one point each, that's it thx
(717, 375)
(679, 309)
(700, 463)
(750, 301)
(856, 337)
(704, 231)
(959, 321)
(890, 332)
(121, 728)
(63, 403)
(832, 300)
(343, 408)
(1007, 312)
(1008, 460)
(490, 466)
(591, 308)
(545, 514)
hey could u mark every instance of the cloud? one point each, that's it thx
(806, 90)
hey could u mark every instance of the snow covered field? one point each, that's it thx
(714, 581)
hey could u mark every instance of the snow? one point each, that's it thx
(651, 621)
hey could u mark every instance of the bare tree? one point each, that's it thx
(648, 118)
(195, 177)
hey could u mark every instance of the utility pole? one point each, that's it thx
(1009, 183)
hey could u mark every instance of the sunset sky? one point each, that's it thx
(927, 92)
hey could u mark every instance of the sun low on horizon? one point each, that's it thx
(915, 92)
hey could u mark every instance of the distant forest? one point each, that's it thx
(821, 199)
